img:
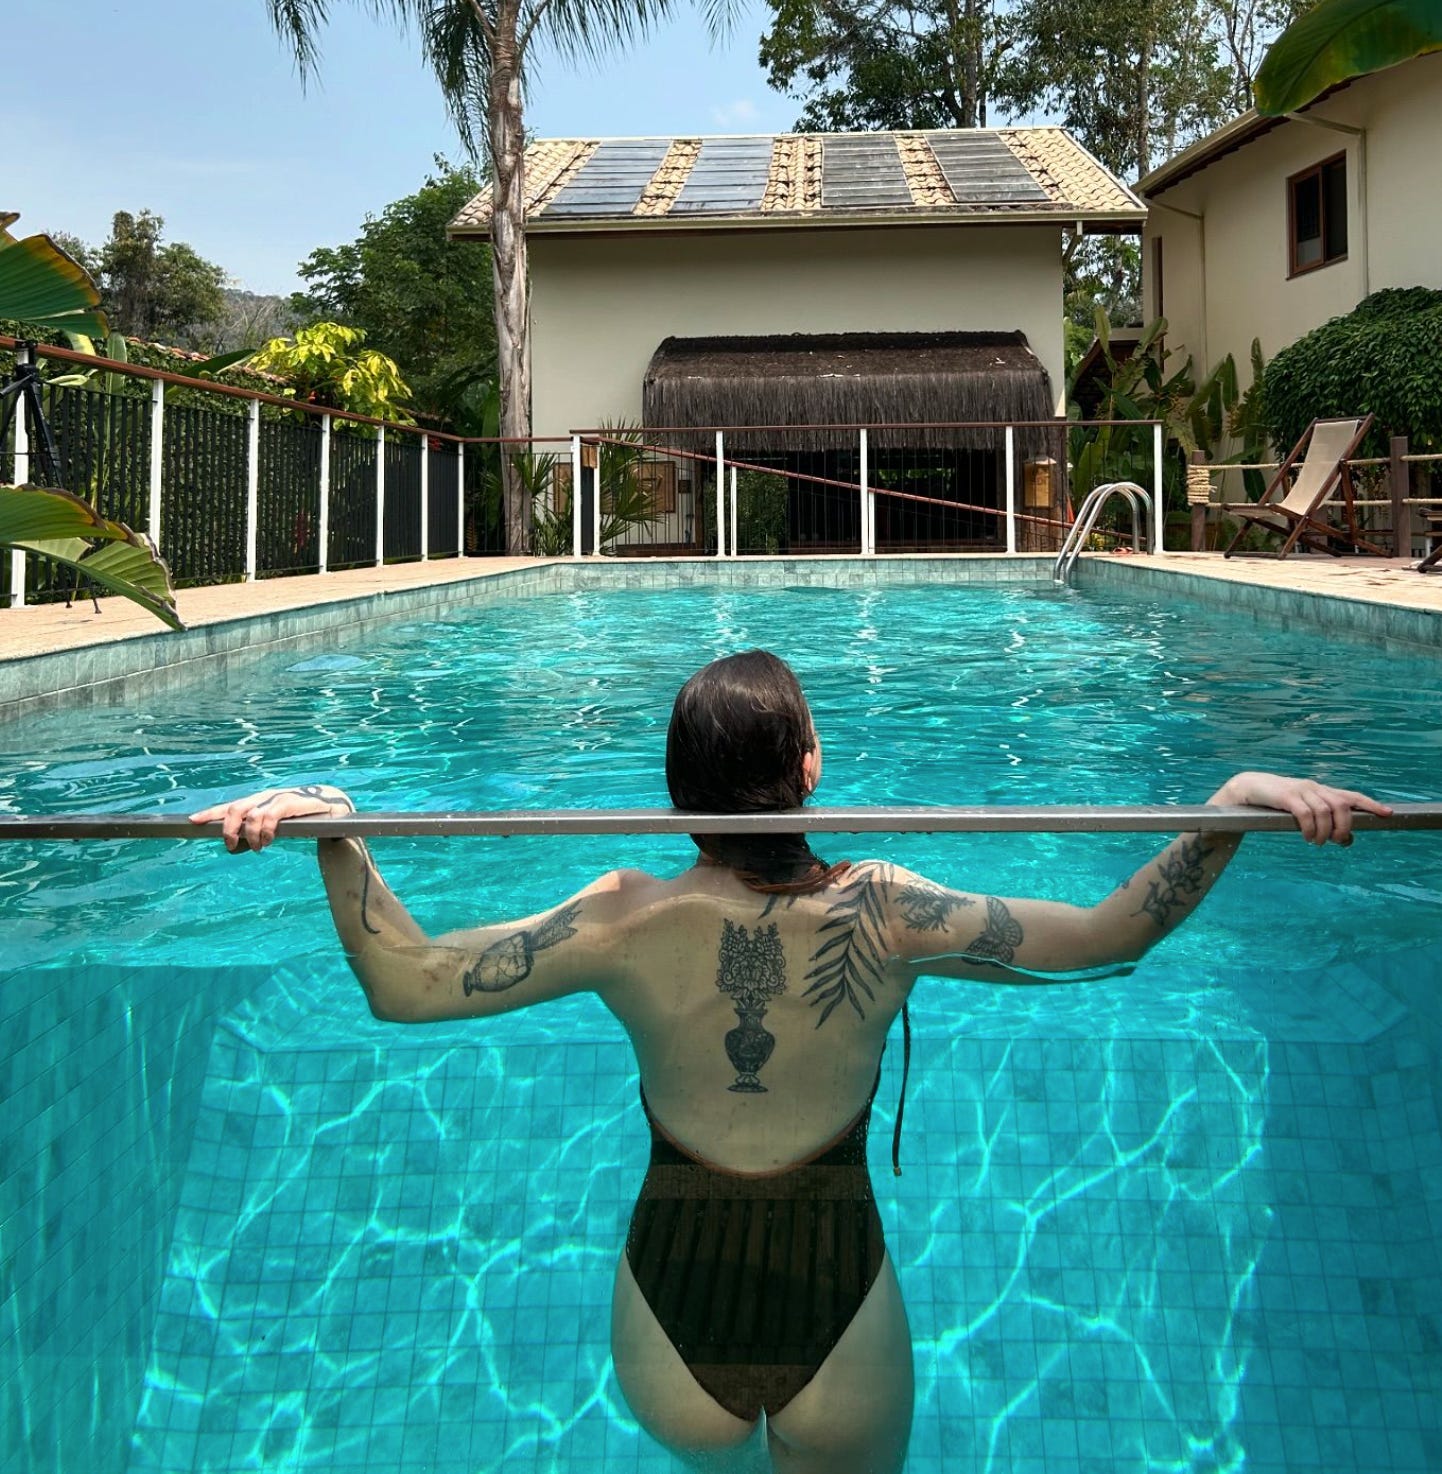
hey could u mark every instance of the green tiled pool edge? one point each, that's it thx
(126, 668)
(123, 669)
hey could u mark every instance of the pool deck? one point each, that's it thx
(42, 629)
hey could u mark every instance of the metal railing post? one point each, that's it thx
(1159, 516)
(720, 495)
(596, 504)
(252, 489)
(425, 497)
(460, 499)
(22, 475)
(157, 459)
(575, 496)
(323, 532)
(1010, 473)
(380, 495)
(868, 530)
(734, 515)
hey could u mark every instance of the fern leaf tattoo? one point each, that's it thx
(848, 963)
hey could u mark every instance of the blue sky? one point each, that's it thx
(193, 109)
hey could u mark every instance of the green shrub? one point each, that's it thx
(1383, 357)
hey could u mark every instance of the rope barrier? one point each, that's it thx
(995, 819)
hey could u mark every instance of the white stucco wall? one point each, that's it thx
(601, 305)
(1225, 277)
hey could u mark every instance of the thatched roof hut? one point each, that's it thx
(801, 381)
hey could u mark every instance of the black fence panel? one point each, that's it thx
(442, 462)
(103, 444)
(288, 524)
(403, 497)
(352, 499)
(203, 491)
(485, 523)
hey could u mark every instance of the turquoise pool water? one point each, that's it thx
(1186, 1220)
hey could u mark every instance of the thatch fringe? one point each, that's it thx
(804, 380)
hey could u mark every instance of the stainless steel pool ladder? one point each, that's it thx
(1086, 517)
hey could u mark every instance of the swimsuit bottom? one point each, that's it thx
(755, 1276)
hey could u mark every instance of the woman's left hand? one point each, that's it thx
(250, 823)
(1322, 813)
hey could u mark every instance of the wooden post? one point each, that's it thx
(1198, 508)
(1399, 482)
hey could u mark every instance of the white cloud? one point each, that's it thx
(735, 114)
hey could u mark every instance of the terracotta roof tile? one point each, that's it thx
(667, 182)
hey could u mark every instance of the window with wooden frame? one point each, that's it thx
(1317, 215)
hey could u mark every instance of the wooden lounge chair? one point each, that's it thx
(1291, 507)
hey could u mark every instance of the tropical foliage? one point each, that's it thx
(1339, 39)
(1195, 416)
(327, 363)
(58, 525)
(625, 500)
(416, 295)
(1384, 358)
(43, 287)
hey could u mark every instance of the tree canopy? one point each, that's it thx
(417, 297)
(159, 291)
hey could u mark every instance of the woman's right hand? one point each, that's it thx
(250, 823)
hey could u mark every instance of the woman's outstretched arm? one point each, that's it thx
(407, 975)
(959, 934)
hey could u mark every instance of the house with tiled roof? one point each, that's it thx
(807, 280)
(636, 241)
(1269, 227)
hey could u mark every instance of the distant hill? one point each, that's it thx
(252, 317)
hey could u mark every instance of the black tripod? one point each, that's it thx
(22, 395)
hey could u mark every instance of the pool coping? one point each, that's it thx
(114, 667)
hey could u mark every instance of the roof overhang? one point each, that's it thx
(1242, 130)
(799, 382)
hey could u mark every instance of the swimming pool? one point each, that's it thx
(1183, 1220)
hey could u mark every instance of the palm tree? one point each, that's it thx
(1340, 39)
(478, 50)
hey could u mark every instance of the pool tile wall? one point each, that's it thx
(1366, 619)
(1120, 1252)
(101, 1077)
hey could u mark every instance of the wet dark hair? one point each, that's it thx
(740, 730)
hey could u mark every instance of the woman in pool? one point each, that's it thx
(757, 989)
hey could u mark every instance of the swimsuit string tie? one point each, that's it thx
(901, 1099)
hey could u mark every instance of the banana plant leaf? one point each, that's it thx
(55, 524)
(1341, 39)
(40, 284)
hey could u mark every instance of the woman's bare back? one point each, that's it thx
(758, 1020)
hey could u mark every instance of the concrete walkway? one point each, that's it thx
(42, 629)
(1389, 581)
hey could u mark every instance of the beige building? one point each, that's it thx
(634, 241)
(1270, 226)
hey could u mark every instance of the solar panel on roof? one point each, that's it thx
(611, 181)
(981, 170)
(862, 171)
(729, 175)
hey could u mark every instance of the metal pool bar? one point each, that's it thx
(1031, 819)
